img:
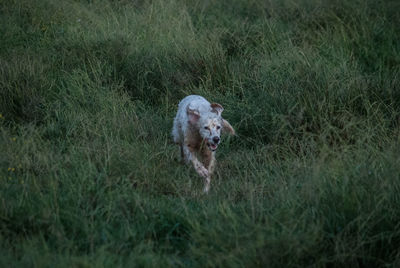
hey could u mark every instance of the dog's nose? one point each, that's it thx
(216, 139)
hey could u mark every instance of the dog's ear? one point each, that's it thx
(216, 108)
(194, 116)
(226, 127)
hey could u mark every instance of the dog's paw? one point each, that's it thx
(203, 172)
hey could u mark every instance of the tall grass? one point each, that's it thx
(89, 175)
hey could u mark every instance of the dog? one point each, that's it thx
(197, 130)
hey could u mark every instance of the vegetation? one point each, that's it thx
(88, 172)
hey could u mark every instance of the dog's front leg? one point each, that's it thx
(209, 163)
(211, 166)
(207, 184)
(191, 157)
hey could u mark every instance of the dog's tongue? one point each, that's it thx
(213, 146)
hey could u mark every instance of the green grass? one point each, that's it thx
(89, 176)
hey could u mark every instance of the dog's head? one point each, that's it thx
(210, 124)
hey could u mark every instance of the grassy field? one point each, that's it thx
(89, 176)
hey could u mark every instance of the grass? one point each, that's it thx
(89, 175)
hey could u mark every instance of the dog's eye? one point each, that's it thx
(218, 127)
(207, 128)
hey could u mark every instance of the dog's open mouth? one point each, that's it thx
(212, 146)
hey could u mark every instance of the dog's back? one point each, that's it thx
(195, 102)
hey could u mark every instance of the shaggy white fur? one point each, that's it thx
(197, 130)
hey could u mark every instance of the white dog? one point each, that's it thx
(197, 130)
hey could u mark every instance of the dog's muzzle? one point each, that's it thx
(214, 144)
